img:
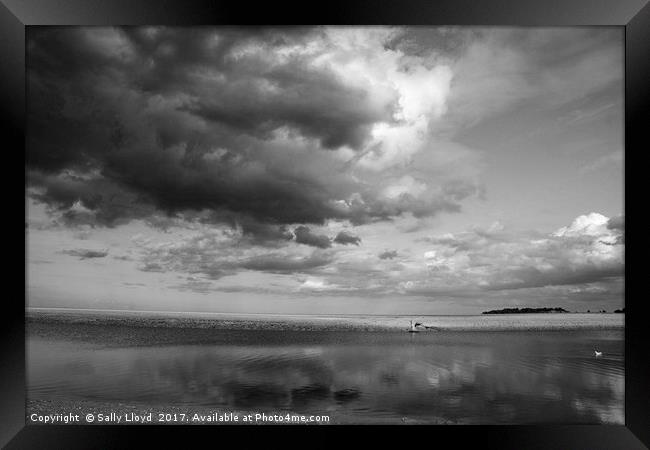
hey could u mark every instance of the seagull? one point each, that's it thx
(598, 353)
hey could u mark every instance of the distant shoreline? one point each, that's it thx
(545, 310)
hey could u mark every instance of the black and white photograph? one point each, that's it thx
(324, 225)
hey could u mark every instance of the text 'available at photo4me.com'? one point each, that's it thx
(215, 417)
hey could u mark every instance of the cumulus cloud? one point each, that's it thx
(582, 261)
(281, 263)
(586, 251)
(592, 224)
(215, 253)
(315, 284)
(345, 238)
(583, 258)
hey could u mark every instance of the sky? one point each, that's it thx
(325, 170)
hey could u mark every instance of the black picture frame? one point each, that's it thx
(633, 15)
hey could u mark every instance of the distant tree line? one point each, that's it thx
(525, 310)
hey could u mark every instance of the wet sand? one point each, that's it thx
(501, 322)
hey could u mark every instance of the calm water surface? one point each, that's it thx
(459, 377)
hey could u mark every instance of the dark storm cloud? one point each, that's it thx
(388, 254)
(86, 254)
(253, 94)
(346, 238)
(616, 223)
(315, 105)
(132, 122)
(305, 236)
(88, 200)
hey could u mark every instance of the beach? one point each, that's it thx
(198, 320)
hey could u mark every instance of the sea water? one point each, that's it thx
(357, 374)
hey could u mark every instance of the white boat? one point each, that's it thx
(413, 328)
